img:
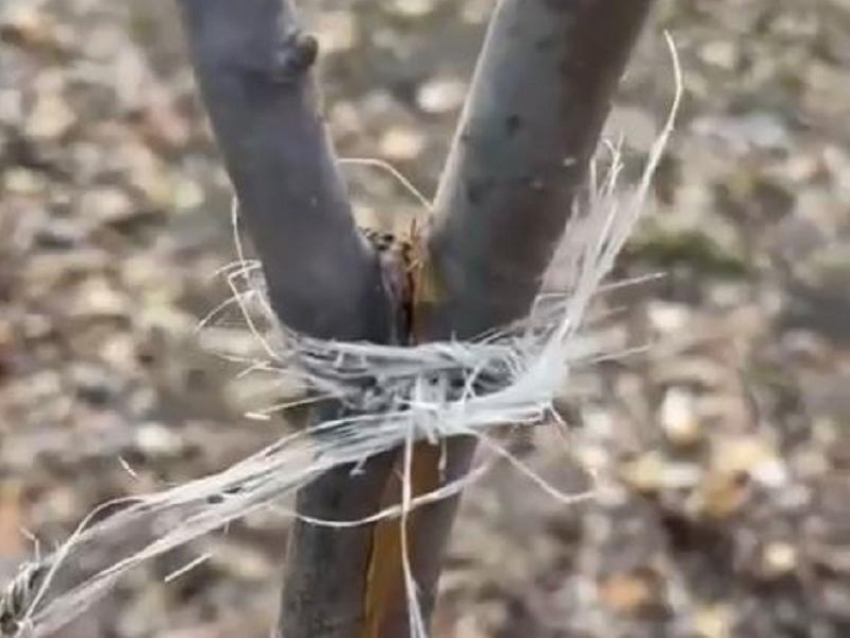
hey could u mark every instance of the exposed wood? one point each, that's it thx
(386, 605)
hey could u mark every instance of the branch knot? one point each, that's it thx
(296, 54)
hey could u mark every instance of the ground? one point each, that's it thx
(718, 446)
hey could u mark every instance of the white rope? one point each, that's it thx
(402, 395)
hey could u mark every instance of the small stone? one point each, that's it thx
(188, 194)
(678, 418)
(119, 352)
(50, 119)
(644, 473)
(652, 472)
(778, 559)
(107, 204)
(714, 621)
(667, 317)
(441, 95)
(345, 119)
(736, 463)
(402, 143)
(61, 503)
(11, 518)
(60, 234)
(243, 563)
(156, 440)
(147, 172)
(36, 326)
(720, 53)
(759, 130)
(98, 298)
(627, 593)
(753, 456)
(11, 106)
(22, 181)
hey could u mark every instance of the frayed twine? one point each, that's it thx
(401, 395)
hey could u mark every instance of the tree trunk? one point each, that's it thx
(254, 67)
(541, 92)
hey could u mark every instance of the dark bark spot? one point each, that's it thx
(296, 55)
(513, 124)
(475, 191)
(306, 48)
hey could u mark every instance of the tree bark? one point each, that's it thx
(254, 65)
(541, 92)
(540, 95)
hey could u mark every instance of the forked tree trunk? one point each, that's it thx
(541, 92)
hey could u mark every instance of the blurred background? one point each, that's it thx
(721, 449)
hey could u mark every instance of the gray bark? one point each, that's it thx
(254, 67)
(541, 93)
(325, 576)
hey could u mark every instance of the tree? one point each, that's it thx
(541, 92)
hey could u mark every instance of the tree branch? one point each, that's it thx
(541, 93)
(253, 63)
